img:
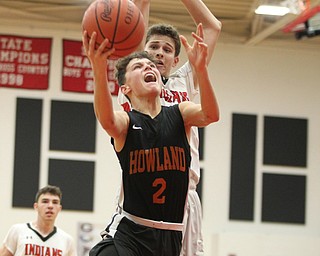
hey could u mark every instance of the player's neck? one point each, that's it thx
(151, 108)
(43, 227)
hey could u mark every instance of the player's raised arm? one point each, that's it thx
(144, 7)
(114, 122)
(208, 110)
(200, 13)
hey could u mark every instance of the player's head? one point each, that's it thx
(168, 31)
(163, 42)
(138, 70)
(53, 190)
(48, 203)
(122, 64)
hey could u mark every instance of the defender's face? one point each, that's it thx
(163, 49)
(48, 206)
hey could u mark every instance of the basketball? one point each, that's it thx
(118, 20)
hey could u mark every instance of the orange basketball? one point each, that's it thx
(118, 20)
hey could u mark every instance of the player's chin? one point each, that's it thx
(161, 68)
(153, 87)
(164, 72)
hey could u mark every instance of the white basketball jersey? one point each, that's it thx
(23, 240)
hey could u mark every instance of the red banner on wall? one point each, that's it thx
(77, 73)
(24, 62)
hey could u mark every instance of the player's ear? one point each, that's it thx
(125, 89)
(175, 61)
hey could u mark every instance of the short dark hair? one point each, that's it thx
(122, 64)
(165, 30)
(53, 190)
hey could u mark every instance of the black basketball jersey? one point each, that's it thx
(155, 163)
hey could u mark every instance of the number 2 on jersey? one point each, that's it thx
(158, 198)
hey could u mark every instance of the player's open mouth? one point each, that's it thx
(160, 63)
(150, 77)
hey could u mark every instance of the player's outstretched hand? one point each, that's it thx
(197, 52)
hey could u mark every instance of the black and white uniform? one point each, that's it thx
(155, 163)
(23, 239)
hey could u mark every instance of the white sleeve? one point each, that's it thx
(11, 239)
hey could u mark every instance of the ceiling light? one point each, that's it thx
(272, 10)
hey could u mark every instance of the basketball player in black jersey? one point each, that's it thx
(152, 146)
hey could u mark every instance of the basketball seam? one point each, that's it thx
(97, 20)
(132, 31)
(128, 48)
(99, 27)
(117, 21)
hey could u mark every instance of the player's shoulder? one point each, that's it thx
(172, 110)
(18, 226)
(182, 71)
(63, 233)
